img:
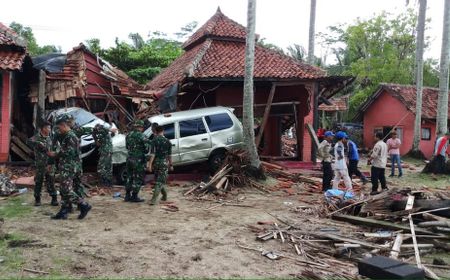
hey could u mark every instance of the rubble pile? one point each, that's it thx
(288, 146)
(146, 110)
(233, 174)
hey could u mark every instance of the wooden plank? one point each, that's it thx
(313, 135)
(349, 240)
(397, 245)
(416, 248)
(266, 115)
(20, 153)
(22, 145)
(376, 223)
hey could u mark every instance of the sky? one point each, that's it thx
(282, 22)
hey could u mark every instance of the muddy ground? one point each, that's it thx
(124, 240)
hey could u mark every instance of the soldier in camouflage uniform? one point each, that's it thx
(137, 145)
(45, 166)
(103, 141)
(160, 162)
(70, 170)
(78, 130)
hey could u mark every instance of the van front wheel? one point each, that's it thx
(216, 161)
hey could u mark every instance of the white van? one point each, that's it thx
(197, 135)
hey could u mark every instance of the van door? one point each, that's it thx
(194, 141)
(170, 133)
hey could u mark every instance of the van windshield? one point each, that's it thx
(83, 117)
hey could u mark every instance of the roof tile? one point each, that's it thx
(407, 95)
(11, 60)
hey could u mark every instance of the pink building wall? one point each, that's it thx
(389, 111)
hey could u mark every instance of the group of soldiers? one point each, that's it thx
(159, 161)
(58, 150)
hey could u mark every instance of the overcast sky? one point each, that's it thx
(281, 22)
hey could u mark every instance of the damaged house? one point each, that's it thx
(211, 73)
(80, 78)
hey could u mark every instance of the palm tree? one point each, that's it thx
(312, 28)
(248, 117)
(419, 74)
(442, 108)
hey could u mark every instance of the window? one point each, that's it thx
(219, 122)
(169, 131)
(426, 133)
(192, 127)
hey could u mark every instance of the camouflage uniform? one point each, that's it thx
(70, 169)
(80, 130)
(137, 145)
(45, 166)
(103, 140)
(161, 149)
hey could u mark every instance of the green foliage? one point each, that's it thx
(143, 59)
(32, 45)
(297, 51)
(377, 50)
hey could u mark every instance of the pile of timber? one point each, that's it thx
(278, 171)
(233, 174)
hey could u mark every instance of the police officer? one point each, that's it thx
(45, 166)
(103, 141)
(160, 161)
(70, 170)
(137, 145)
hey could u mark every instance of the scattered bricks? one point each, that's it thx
(380, 267)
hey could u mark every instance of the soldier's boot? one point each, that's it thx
(54, 201)
(135, 198)
(37, 201)
(70, 208)
(127, 196)
(84, 210)
(62, 214)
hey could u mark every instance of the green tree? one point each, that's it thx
(377, 50)
(297, 51)
(32, 45)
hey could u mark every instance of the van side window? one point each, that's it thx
(169, 131)
(192, 127)
(219, 122)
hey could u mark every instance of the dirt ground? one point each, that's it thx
(124, 240)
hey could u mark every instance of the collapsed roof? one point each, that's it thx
(12, 49)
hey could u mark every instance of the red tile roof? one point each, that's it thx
(337, 104)
(219, 25)
(12, 49)
(407, 95)
(11, 60)
(217, 50)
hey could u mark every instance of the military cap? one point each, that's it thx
(138, 123)
(62, 118)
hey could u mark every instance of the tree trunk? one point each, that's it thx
(419, 74)
(247, 110)
(442, 114)
(312, 28)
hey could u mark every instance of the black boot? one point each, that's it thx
(54, 201)
(37, 201)
(127, 197)
(61, 215)
(135, 198)
(70, 208)
(84, 210)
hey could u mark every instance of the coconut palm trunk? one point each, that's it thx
(419, 74)
(248, 116)
(442, 113)
(312, 32)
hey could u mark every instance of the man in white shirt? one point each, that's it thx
(340, 165)
(325, 154)
(378, 158)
